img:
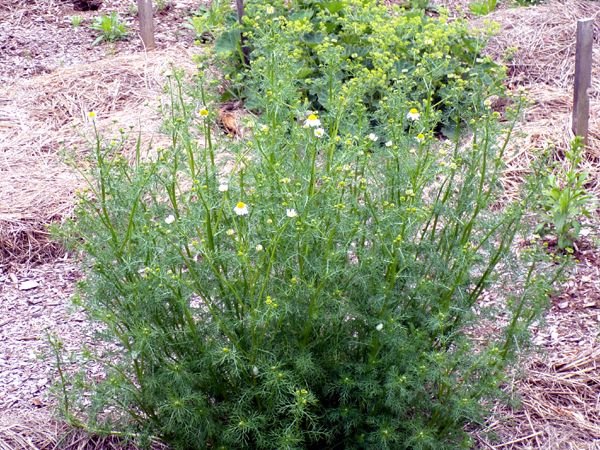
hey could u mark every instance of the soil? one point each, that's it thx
(560, 382)
(38, 37)
(35, 304)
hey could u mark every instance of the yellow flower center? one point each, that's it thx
(312, 117)
(240, 205)
(203, 112)
(414, 111)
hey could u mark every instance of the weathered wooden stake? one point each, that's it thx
(239, 4)
(145, 15)
(583, 77)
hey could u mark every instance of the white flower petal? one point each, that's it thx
(413, 115)
(241, 209)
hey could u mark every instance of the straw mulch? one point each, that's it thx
(541, 40)
(41, 118)
(27, 431)
(18, 432)
(557, 406)
(537, 44)
(558, 392)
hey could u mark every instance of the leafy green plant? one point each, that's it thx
(210, 20)
(316, 284)
(316, 295)
(341, 42)
(565, 200)
(483, 8)
(76, 21)
(111, 28)
(528, 2)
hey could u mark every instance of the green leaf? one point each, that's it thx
(480, 8)
(227, 42)
(334, 6)
(312, 38)
(303, 14)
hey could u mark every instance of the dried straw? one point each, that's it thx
(541, 40)
(559, 406)
(559, 395)
(538, 46)
(45, 115)
(30, 431)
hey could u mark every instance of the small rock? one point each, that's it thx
(27, 285)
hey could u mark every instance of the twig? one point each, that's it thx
(514, 441)
(532, 427)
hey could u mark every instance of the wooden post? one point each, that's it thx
(239, 4)
(583, 77)
(145, 14)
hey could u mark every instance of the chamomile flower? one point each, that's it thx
(312, 121)
(92, 115)
(319, 132)
(413, 114)
(270, 10)
(169, 219)
(420, 137)
(241, 209)
(203, 112)
(223, 187)
(291, 213)
(389, 144)
(259, 248)
(379, 327)
(373, 137)
(230, 232)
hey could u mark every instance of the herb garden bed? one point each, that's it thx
(45, 111)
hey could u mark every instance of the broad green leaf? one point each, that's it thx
(228, 42)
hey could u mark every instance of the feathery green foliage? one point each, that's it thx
(317, 283)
